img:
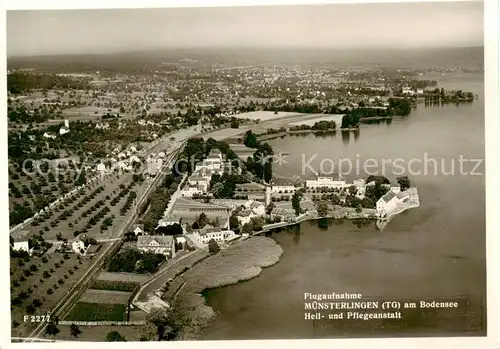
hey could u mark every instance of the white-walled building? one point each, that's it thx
(360, 186)
(199, 181)
(21, 246)
(203, 236)
(208, 165)
(190, 190)
(21, 242)
(78, 246)
(100, 168)
(63, 130)
(102, 126)
(258, 209)
(138, 229)
(322, 181)
(389, 202)
(245, 217)
(180, 240)
(49, 135)
(169, 220)
(213, 162)
(160, 244)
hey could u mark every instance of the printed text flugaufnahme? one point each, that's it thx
(331, 296)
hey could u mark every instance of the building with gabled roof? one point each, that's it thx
(326, 181)
(21, 242)
(389, 202)
(138, 229)
(204, 235)
(282, 185)
(170, 219)
(159, 244)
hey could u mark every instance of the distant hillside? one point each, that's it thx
(140, 61)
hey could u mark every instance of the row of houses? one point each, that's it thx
(166, 244)
(286, 185)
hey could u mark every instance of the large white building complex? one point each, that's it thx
(323, 181)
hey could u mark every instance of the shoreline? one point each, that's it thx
(239, 262)
(266, 137)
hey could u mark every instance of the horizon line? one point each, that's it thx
(253, 47)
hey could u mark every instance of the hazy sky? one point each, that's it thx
(337, 26)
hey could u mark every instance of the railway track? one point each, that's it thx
(68, 300)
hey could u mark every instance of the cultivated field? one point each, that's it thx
(122, 277)
(77, 213)
(320, 117)
(222, 134)
(122, 286)
(96, 333)
(87, 113)
(190, 209)
(188, 204)
(265, 115)
(105, 300)
(45, 279)
(105, 297)
(97, 312)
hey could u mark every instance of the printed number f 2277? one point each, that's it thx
(36, 318)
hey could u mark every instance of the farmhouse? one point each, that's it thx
(245, 216)
(101, 168)
(160, 244)
(78, 246)
(257, 208)
(169, 220)
(138, 229)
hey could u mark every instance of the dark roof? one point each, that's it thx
(282, 181)
(205, 231)
(23, 235)
(163, 240)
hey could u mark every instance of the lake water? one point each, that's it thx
(433, 252)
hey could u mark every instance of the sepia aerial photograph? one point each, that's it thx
(242, 173)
